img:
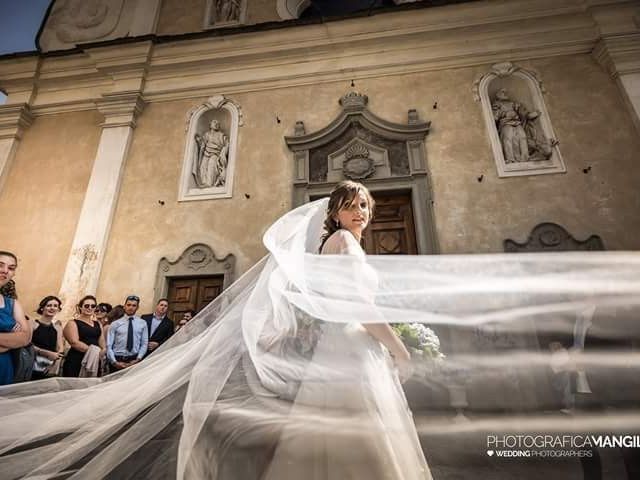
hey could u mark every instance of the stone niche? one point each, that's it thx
(224, 13)
(210, 150)
(358, 145)
(73, 22)
(522, 138)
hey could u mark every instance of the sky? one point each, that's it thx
(19, 24)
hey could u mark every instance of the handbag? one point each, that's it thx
(41, 364)
(23, 360)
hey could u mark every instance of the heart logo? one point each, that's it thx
(490, 453)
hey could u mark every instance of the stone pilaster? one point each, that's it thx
(84, 265)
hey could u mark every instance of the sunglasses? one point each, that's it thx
(89, 305)
(103, 309)
(135, 298)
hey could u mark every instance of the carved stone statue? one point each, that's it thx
(227, 11)
(521, 140)
(210, 165)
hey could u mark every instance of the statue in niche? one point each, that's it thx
(227, 11)
(212, 155)
(522, 140)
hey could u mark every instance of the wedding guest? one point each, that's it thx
(47, 339)
(159, 325)
(186, 317)
(81, 333)
(15, 331)
(128, 337)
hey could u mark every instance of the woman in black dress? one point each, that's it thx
(81, 332)
(47, 338)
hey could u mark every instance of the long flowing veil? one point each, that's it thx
(216, 400)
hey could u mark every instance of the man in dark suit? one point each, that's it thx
(160, 327)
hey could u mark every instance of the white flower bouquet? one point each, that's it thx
(419, 339)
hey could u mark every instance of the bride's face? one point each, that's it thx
(355, 216)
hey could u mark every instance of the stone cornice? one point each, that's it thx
(17, 78)
(14, 118)
(452, 36)
(120, 109)
(619, 54)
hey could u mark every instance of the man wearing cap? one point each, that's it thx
(128, 337)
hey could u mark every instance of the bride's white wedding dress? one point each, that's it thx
(352, 420)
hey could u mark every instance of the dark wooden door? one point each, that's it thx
(192, 293)
(392, 231)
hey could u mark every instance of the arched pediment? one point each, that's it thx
(355, 111)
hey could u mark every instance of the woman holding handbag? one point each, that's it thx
(47, 339)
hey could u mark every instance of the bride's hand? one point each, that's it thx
(402, 361)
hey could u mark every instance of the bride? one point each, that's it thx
(358, 424)
(293, 372)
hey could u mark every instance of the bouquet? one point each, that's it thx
(419, 339)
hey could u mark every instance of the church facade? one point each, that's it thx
(148, 144)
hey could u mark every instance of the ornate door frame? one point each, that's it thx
(359, 145)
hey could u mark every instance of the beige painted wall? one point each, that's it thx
(187, 16)
(41, 201)
(588, 116)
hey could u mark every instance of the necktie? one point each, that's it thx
(130, 336)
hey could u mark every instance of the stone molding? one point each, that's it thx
(186, 190)
(619, 55)
(120, 109)
(14, 119)
(555, 163)
(446, 37)
(290, 9)
(196, 260)
(551, 237)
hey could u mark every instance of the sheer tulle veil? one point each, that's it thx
(216, 400)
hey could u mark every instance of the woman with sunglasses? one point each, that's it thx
(81, 332)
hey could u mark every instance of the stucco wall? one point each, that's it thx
(471, 216)
(41, 201)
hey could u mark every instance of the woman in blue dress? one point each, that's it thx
(15, 331)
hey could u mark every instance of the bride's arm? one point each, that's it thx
(386, 336)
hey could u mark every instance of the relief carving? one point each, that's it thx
(81, 20)
(358, 164)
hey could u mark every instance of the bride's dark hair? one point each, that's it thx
(341, 196)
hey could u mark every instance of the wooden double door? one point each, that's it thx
(192, 293)
(392, 231)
